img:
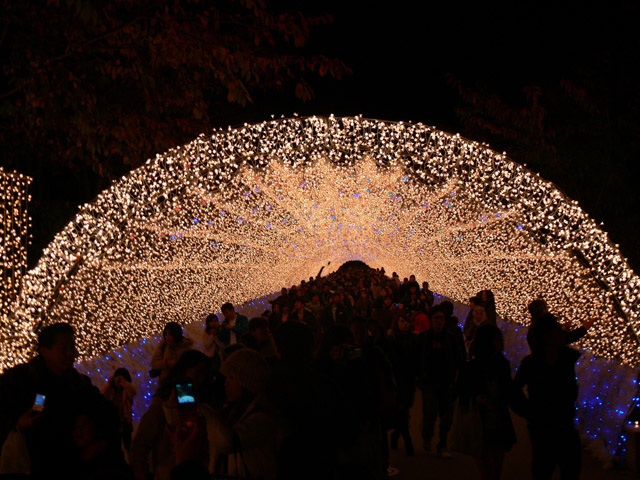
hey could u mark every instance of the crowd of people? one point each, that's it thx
(319, 386)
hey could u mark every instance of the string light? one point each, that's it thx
(14, 234)
(238, 214)
(135, 356)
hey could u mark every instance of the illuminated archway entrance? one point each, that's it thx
(241, 213)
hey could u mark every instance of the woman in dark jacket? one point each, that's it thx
(486, 380)
(489, 304)
(152, 441)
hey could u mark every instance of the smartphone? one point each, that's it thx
(38, 403)
(187, 407)
(186, 397)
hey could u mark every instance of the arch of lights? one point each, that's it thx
(242, 212)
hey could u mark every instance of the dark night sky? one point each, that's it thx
(400, 55)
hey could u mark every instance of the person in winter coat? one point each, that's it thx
(486, 381)
(119, 391)
(243, 436)
(438, 364)
(168, 351)
(152, 442)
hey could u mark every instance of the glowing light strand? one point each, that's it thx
(239, 213)
(14, 234)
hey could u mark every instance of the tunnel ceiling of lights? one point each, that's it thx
(243, 212)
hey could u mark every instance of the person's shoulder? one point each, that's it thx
(502, 360)
(569, 354)
(19, 368)
(502, 364)
(526, 362)
(154, 414)
(17, 373)
(82, 380)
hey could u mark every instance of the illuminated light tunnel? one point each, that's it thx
(238, 214)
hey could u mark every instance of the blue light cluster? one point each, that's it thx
(606, 391)
(136, 357)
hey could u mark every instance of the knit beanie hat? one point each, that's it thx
(248, 367)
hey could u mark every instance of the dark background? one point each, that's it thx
(553, 85)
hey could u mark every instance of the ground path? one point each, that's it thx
(427, 466)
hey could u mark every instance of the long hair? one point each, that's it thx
(174, 329)
(485, 318)
(395, 329)
(122, 372)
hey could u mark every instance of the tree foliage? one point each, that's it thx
(110, 83)
(570, 111)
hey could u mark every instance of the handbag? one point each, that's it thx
(14, 457)
(465, 435)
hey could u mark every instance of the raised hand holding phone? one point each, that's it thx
(187, 406)
(31, 416)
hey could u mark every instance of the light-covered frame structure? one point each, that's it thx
(242, 212)
(14, 234)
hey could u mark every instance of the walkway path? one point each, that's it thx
(427, 466)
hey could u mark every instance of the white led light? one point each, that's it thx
(240, 213)
(14, 234)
